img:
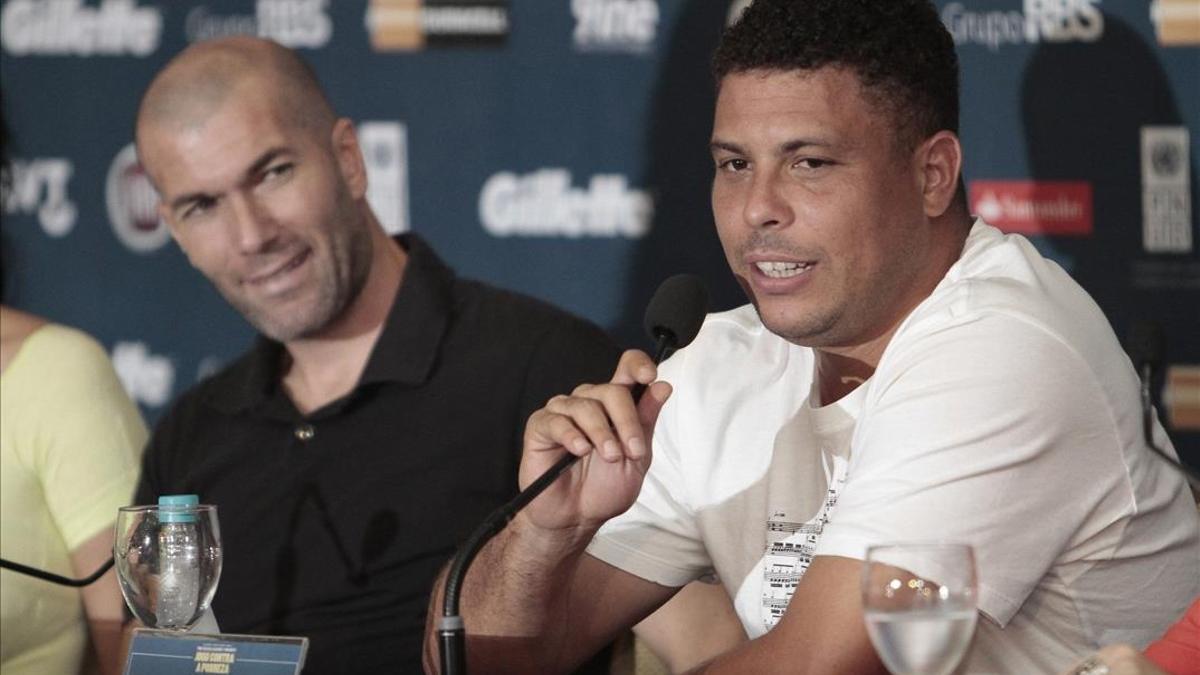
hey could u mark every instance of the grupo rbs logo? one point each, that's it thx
(70, 28)
(133, 204)
(39, 186)
(292, 23)
(1037, 21)
(545, 204)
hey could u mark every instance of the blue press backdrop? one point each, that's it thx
(560, 148)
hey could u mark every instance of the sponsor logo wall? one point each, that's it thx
(40, 188)
(1032, 207)
(298, 24)
(615, 25)
(408, 25)
(1033, 22)
(559, 149)
(73, 28)
(133, 204)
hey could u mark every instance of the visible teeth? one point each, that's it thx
(782, 270)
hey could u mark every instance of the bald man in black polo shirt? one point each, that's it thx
(334, 448)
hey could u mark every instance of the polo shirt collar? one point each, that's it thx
(252, 378)
(412, 334)
(405, 352)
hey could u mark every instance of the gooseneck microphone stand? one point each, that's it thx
(672, 320)
(1147, 348)
(451, 634)
(1189, 474)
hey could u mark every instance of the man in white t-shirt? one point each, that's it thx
(905, 372)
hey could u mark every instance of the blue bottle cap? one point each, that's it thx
(175, 508)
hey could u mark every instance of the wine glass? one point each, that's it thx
(168, 562)
(919, 605)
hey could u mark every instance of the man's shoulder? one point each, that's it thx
(734, 356)
(232, 377)
(1003, 278)
(735, 333)
(478, 307)
(516, 313)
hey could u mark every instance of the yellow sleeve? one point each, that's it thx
(88, 435)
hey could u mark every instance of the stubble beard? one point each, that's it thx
(285, 326)
(813, 330)
(337, 286)
(810, 329)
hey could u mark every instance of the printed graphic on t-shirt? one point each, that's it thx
(790, 546)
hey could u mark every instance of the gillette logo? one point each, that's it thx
(545, 204)
(69, 28)
(147, 377)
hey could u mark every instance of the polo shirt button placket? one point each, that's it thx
(304, 432)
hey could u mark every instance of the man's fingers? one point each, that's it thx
(607, 416)
(548, 430)
(651, 404)
(591, 416)
(635, 367)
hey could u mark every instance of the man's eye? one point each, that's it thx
(812, 163)
(198, 208)
(735, 164)
(278, 171)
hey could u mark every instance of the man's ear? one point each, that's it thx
(939, 161)
(349, 157)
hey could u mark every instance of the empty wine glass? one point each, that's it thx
(919, 604)
(168, 560)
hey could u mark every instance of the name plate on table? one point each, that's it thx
(163, 652)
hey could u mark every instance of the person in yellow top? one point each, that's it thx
(70, 444)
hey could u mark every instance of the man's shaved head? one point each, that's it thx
(195, 84)
(262, 186)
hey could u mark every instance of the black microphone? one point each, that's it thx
(673, 318)
(1147, 348)
(676, 311)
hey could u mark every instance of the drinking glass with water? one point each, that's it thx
(168, 560)
(919, 604)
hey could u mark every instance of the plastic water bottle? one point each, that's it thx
(179, 562)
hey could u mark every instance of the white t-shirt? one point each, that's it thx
(1002, 414)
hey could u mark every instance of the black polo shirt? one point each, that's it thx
(334, 524)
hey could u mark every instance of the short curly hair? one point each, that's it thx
(899, 49)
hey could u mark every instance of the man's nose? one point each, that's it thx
(765, 205)
(253, 227)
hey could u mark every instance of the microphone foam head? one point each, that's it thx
(678, 307)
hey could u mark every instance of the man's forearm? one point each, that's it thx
(514, 601)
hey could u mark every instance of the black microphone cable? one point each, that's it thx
(1147, 347)
(55, 578)
(672, 319)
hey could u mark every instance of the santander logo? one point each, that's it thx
(1062, 208)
